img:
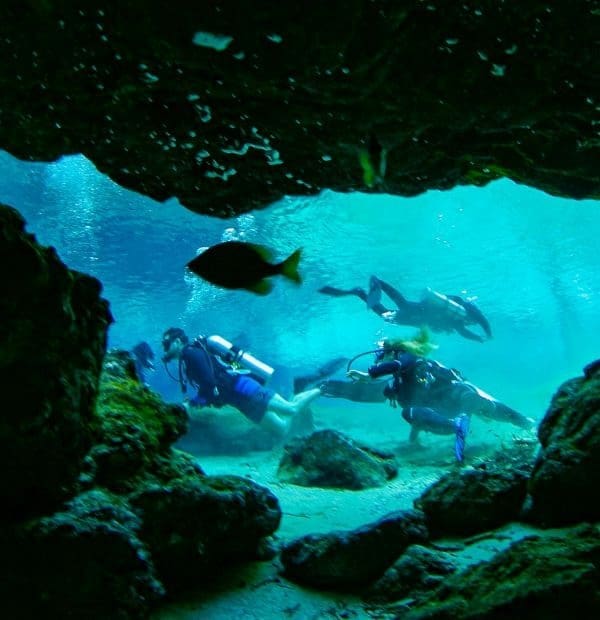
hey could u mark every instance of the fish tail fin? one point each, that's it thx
(289, 267)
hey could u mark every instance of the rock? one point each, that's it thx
(52, 341)
(347, 559)
(539, 577)
(566, 474)
(473, 500)
(329, 459)
(196, 526)
(133, 427)
(87, 559)
(455, 95)
(417, 571)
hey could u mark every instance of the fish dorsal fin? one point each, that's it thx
(262, 251)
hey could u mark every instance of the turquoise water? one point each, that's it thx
(528, 259)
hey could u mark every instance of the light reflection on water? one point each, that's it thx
(529, 260)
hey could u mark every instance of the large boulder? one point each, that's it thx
(196, 526)
(350, 559)
(566, 475)
(473, 500)
(329, 459)
(52, 342)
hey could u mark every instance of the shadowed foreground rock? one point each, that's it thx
(473, 500)
(101, 516)
(340, 560)
(540, 578)
(566, 476)
(231, 104)
(52, 339)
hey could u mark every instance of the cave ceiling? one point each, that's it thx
(230, 105)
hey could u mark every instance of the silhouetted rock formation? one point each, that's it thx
(52, 340)
(101, 516)
(233, 104)
(566, 475)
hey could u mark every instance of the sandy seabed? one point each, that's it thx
(257, 591)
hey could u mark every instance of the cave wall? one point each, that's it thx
(286, 98)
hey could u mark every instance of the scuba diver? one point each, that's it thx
(434, 398)
(143, 357)
(222, 374)
(441, 313)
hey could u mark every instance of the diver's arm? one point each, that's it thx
(375, 371)
(393, 293)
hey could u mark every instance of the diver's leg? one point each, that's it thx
(273, 424)
(302, 401)
(475, 315)
(393, 293)
(354, 391)
(472, 402)
(429, 420)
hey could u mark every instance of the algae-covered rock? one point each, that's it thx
(417, 571)
(133, 427)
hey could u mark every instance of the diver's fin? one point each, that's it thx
(334, 292)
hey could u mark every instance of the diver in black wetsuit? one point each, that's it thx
(441, 313)
(433, 398)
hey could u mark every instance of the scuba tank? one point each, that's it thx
(444, 303)
(232, 354)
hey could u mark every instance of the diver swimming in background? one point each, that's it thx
(441, 313)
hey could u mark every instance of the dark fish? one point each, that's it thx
(238, 265)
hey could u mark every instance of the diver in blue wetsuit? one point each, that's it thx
(208, 365)
(441, 313)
